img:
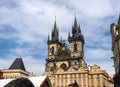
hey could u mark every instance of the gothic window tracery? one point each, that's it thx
(75, 47)
(52, 50)
(64, 67)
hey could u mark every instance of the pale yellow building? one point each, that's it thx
(16, 70)
(65, 65)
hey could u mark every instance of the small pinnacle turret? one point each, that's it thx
(48, 38)
(68, 34)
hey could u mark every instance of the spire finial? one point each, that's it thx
(75, 22)
(55, 17)
(55, 25)
(75, 14)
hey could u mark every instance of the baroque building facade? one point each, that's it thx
(115, 34)
(66, 65)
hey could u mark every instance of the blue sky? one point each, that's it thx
(25, 25)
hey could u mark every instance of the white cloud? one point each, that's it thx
(37, 66)
(5, 63)
(34, 19)
(93, 8)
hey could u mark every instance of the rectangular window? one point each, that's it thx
(71, 81)
(61, 76)
(65, 81)
(80, 82)
(75, 77)
(58, 79)
(71, 76)
(83, 75)
(92, 81)
(65, 76)
(98, 80)
(84, 81)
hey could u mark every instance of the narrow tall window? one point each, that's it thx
(75, 47)
(52, 50)
(98, 80)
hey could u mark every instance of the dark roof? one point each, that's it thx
(73, 84)
(20, 82)
(18, 64)
(55, 33)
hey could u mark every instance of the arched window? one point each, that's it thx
(52, 50)
(75, 63)
(64, 67)
(75, 47)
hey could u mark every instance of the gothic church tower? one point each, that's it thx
(62, 57)
(53, 44)
(76, 41)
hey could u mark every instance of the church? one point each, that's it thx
(66, 65)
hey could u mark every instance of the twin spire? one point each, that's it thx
(76, 33)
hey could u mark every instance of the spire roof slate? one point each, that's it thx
(55, 33)
(18, 64)
(76, 33)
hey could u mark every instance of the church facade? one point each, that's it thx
(66, 65)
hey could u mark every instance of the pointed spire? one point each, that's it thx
(55, 25)
(55, 32)
(75, 23)
(68, 34)
(119, 19)
(75, 29)
(76, 32)
(48, 38)
(61, 40)
(79, 29)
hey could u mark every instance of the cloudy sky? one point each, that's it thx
(25, 25)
